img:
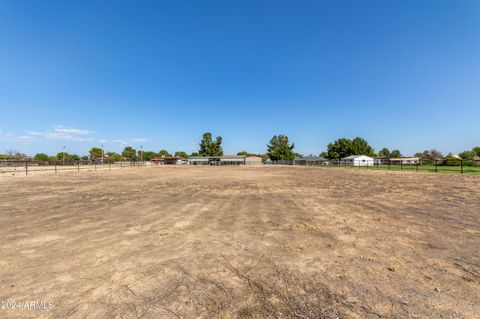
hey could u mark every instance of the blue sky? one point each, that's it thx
(402, 74)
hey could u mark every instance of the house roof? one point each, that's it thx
(224, 157)
(356, 156)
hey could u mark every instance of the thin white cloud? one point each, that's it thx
(61, 132)
(130, 141)
(12, 138)
(102, 141)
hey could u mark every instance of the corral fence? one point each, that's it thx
(434, 166)
(29, 167)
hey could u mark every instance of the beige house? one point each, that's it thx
(253, 160)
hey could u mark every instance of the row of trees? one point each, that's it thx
(279, 148)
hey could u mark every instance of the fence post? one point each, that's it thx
(436, 166)
(78, 167)
(461, 166)
(26, 168)
(417, 167)
(55, 167)
(388, 166)
(401, 165)
(95, 164)
(109, 165)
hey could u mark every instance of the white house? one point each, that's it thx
(358, 160)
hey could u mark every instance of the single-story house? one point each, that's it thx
(405, 160)
(310, 160)
(381, 160)
(358, 160)
(217, 160)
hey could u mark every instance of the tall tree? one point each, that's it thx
(181, 154)
(395, 153)
(476, 151)
(466, 155)
(280, 148)
(164, 153)
(339, 149)
(384, 152)
(129, 153)
(114, 157)
(243, 153)
(361, 147)
(430, 155)
(146, 155)
(63, 155)
(208, 147)
(95, 153)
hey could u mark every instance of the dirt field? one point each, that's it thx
(240, 242)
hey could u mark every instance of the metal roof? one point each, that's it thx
(356, 156)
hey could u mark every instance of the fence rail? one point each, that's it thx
(29, 167)
(437, 166)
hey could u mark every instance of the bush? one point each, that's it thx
(451, 161)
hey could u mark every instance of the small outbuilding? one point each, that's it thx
(253, 159)
(358, 160)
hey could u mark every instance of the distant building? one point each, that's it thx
(358, 160)
(253, 159)
(310, 160)
(381, 160)
(217, 160)
(405, 160)
(169, 160)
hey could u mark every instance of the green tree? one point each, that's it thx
(75, 157)
(429, 157)
(129, 153)
(280, 148)
(384, 152)
(146, 155)
(114, 157)
(208, 147)
(466, 155)
(95, 153)
(395, 153)
(339, 149)
(324, 154)
(243, 153)
(41, 157)
(476, 151)
(361, 147)
(164, 153)
(195, 154)
(181, 154)
(84, 158)
(60, 156)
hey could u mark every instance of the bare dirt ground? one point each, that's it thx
(241, 242)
